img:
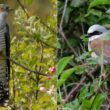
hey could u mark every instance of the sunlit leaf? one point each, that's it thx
(77, 3)
(64, 76)
(98, 101)
(63, 63)
(28, 2)
(99, 2)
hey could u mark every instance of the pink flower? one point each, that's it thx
(52, 69)
(42, 89)
(49, 77)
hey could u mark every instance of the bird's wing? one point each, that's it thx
(7, 40)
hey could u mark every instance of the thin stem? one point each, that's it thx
(37, 75)
(61, 29)
(24, 67)
(21, 5)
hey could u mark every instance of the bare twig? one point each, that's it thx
(63, 15)
(46, 44)
(82, 25)
(61, 29)
(65, 89)
(76, 89)
(39, 69)
(21, 5)
(48, 27)
(66, 40)
(26, 68)
(96, 92)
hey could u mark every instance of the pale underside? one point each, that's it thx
(100, 46)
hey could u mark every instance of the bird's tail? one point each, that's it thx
(4, 83)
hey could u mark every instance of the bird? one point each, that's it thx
(99, 42)
(4, 52)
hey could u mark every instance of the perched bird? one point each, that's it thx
(4, 51)
(99, 42)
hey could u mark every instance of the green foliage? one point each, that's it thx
(98, 101)
(87, 97)
(77, 3)
(64, 76)
(71, 107)
(29, 2)
(83, 103)
(62, 64)
(99, 2)
(33, 45)
(79, 16)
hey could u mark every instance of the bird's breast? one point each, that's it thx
(100, 47)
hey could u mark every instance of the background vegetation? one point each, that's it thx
(82, 85)
(33, 52)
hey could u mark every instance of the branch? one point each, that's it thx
(51, 46)
(63, 15)
(76, 89)
(39, 69)
(96, 92)
(21, 5)
(61, 29)
(66, 40)
(24, 67)
(48, 27)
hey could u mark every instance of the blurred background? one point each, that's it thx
(33, 45)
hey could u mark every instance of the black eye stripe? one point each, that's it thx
(95, 33)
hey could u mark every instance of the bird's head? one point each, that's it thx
(96, 29)
(4, 10)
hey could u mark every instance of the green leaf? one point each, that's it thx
(67, 13)
(29, 2)
(64, 76)
(86, 105)
(58, 45)
(63, 63)
(99, 2)
(74, 105)
(73, 42)
(98, 101)
(80, 69)
(84, 38)
(77, 3)
(83, 93)
(94, 12)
